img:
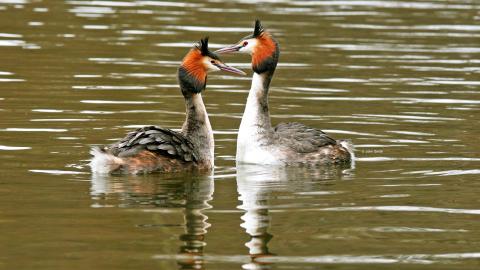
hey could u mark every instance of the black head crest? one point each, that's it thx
(203, 46)
(258, 28)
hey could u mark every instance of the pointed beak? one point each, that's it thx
(230, 69)
(229, 49)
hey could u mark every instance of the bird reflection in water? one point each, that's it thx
(257, 185)
(198, 194)
(190, 193)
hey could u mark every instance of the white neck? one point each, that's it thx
(256, 110)
(197, 127)
(255, 129)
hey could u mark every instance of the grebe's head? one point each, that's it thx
(199, 61)
(260, 45)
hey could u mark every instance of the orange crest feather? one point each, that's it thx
(192, 62)
(264, 49)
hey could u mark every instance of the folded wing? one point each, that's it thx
(160, 141)
(301, 138)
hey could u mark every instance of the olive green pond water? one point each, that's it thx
(399, 78)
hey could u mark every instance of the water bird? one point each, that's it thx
(157, 149)
(287, 143)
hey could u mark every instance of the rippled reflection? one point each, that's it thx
(190, 196)
(256, 185)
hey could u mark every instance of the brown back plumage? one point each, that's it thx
(161, 141)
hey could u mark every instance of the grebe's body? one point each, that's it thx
(156, 149)
(287, 143)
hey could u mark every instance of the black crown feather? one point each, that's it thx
(203, 46)
(258, 28)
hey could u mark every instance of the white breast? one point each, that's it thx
(250, 144)
(250, 151)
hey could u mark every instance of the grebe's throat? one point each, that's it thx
(191, 81)
(197, 127)
(256, 110)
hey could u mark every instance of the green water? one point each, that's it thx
(399, 78)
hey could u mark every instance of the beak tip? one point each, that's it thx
(232, 70)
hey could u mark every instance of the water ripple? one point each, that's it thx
(96, 27)
(453, 172)
(469, 28)
(386, 47)
(109, 87)
(117, 102)
(402, 208)
(92, 12)
(146, 32)
(409, 117)
(249, 262)
(20, 2)
(209, 28)
(353, 133)
(48, 110)
(417, 159)
(9, 35)
(387, 4)
(11, 80)
(14, 148)
(395, 99)
(35, 129)
(415, 133)
(62, 120)
(12, 43)
(57, 172)
(138, 3)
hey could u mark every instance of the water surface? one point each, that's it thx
(399, 78)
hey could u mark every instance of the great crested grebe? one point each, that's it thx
(287, 143)
(156, 149)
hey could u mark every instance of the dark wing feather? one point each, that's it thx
(161, 141)
(301, 138)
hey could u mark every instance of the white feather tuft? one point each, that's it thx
(348, 144)
(103, 162)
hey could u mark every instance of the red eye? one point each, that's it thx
(245, 43)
